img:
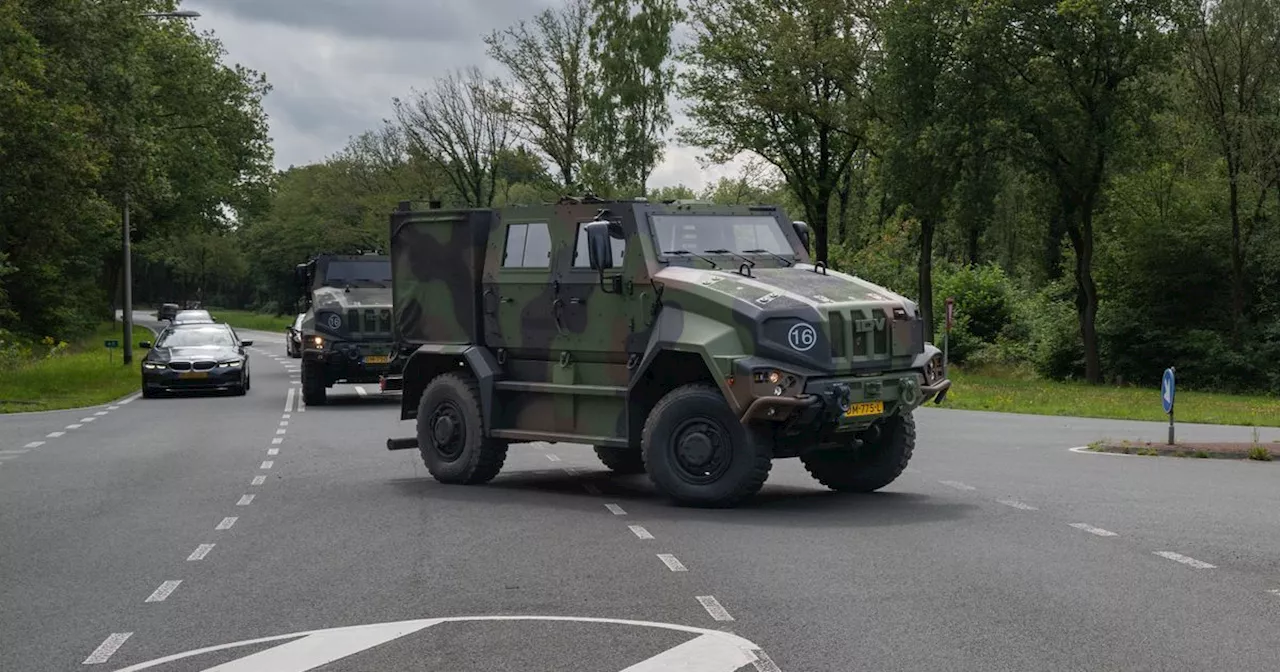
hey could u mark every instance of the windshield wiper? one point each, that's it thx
(684, 252)
(732, 254)
(775, 256)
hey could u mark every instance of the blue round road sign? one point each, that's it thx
(1166, 390)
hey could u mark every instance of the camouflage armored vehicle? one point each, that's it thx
(692, 342)
(346, 324)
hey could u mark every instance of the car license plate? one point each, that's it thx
(375, 359)
(865, 408)
(194, 374)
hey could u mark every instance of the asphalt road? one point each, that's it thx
(287, 538)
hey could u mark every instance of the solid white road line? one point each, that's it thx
(1017, 505)
(34, 444)
(53, 435)
(227, 523)
(1085, 450)
(273, 451)
(361, 391)
(553, 458)
(763, 663)
(957, 485)
(671, 562)
(277, 441)
(201, 551)
(640, 532)
(302, 404)
(267, 464)
(615, 509)
(712, 605)
(1178, 557)
(591, 489)
(245, 500)
(15, 451)
(165, 590)
(288, 400)
(74, 426)
(259, 480)
(130, 399)
(108, 646)
(1093, 530)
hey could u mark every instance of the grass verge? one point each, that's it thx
(1008, 392)
(245, 319)
(81, 376)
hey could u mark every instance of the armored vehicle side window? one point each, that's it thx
(582, 259)
(528, 246)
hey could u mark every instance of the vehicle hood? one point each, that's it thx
(193, 354)
(336, 298)
(785, 289)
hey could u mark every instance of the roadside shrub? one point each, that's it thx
(984, 306)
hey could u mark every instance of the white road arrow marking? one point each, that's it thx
(704, 654)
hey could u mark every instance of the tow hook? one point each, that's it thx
(841, 397)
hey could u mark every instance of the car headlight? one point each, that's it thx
(229, 364)
(152, 365)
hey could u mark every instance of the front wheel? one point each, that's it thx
(698, 453)
(451, 432)
(313, 389)
(871, 466)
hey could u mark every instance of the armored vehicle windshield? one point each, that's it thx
(720, 234)
(342, 272)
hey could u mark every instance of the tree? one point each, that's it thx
(1071, 75)
(461, 125)
(631, 45)
(550, 69)
(1232, 58)
(786, 81)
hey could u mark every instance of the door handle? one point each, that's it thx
(506, 299)
(577, 301)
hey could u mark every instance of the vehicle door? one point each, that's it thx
(517, 299)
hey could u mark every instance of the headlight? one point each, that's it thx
(152, 365)
(232, 363)
(318, 341)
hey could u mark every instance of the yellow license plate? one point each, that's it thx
(376, 359)
(865, 408)
(194, 374)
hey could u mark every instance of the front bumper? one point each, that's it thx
(354, 365)
(214, 379)
(850, 403)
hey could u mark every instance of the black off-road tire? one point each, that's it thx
(467, 457)
(872, 466)
(621, 460)
(313, 388)
(738, 474)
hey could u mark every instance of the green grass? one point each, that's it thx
(245, 319)
(82, 376)
(1009, 392)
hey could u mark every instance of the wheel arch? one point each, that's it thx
(429, 361)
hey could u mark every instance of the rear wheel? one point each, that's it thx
(451, 432)
(313, 388)
(698, 453)
(621, 460)
(871, 466)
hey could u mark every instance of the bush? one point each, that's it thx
(983, 313)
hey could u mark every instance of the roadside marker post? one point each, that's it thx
(111, 345)
(1166, 397)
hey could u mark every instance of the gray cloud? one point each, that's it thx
(409, 20)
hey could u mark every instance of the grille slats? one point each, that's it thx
(180, 366)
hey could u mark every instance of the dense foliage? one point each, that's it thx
(1095, 182)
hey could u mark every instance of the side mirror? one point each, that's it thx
(802, 230)
(599, 247)
(246, 343)
(300, 274)
(145, 345)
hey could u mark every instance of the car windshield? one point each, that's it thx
(714, 234)
(355, 272)
(213, 337)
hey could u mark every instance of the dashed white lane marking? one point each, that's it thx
(615, 509)
(259, 480)
(1275, 591)
(288, 400)
(1178, 557)
(245, 500)
(165, 590)
(201, 551)
(281, 431)
(76, 426)
(88, 419)
(957, 485)
(227, 523)
(100, 413)
(34, 444)
(361, 391)
(267, 464)
(286, 416)
(1093, 530)
(553, 458)
(277, 441)
(640, 532)
(108, 646)
(273, 451)
(284, 423)
(591, 489)
(712, 605)
(113, 408)
(672, 563)
(53, 435)
(1017, 505)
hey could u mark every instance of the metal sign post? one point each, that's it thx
(946, 334)
(111, 345)
(1166, 398)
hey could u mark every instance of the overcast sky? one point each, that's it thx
(334, 65)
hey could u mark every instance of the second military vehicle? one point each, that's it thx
(346, 325)
(696, 343)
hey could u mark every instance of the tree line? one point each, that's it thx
(1096, 182)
